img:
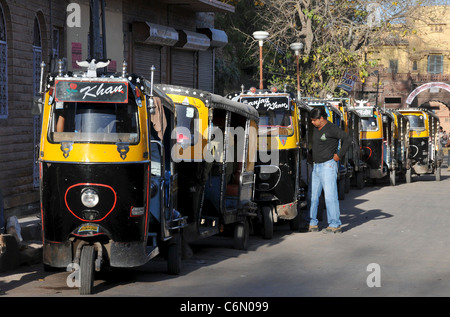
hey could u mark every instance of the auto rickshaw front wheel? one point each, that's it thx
(392, 177)
(437, 173)
(87, 269)
(408, 175)
(341, 188)
(359, 179)
(267, 222)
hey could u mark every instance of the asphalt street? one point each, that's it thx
(395, 242)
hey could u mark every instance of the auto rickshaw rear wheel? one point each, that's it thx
(87, 270)
(241, 235)
(267, 222)
(174, 255)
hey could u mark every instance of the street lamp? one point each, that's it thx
(296, 47)
(260, 36)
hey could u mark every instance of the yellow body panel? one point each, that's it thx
(92, 152)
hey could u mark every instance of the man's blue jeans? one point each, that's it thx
(324, 176)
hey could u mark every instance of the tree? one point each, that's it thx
(235, 64)
(337, 35)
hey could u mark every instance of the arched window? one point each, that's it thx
(3, 68)
(37, 56)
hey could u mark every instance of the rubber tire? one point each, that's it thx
(408, 175)
(241, 235)
(341, 188)
(87, 270)
(437, 173)
(174, 256)
(347, 184)
(392, 177)
(267, 222)
(294, 224)
(359, 180)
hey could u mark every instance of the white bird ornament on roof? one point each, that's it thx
(92, 66)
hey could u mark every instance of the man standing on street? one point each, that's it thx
(325, 142)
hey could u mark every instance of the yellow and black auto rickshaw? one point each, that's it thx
(216, 141)
(354, 125)
(425, 151)
(103, 202)
(277, 190)
(396, 143)
(372, 142)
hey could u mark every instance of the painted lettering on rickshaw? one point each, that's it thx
(71, 91)
(100, 91)
(267, 103)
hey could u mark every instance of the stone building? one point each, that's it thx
(414, 69)
(176, 36)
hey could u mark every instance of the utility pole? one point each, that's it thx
(97, 46)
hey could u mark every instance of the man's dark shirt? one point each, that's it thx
(325, 142)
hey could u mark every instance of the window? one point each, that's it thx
(393, 100)
(275, 117)
(393, 66)
(414, 66)
(94, 122)
(435, 64)
(417, 122)
(187, 125)
(3, 68)
(369, 124)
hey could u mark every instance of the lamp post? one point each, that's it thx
(260, 36)
(296, 47)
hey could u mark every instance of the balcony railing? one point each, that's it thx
(415, 78)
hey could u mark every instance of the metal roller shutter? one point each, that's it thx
(183, 68)
(146, 56)
(206, 70)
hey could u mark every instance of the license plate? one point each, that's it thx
(88, 228)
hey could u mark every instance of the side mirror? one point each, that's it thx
(37, 106)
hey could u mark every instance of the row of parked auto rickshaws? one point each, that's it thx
(130, 169)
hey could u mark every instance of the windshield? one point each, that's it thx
(187, 125)
(369, 124)
(416, 122)
(94, 123)
(275, 117)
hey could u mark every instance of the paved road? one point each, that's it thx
(403, 231)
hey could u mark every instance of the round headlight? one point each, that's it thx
(89, 197)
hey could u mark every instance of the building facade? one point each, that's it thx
(177, 37)
(414, 70)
